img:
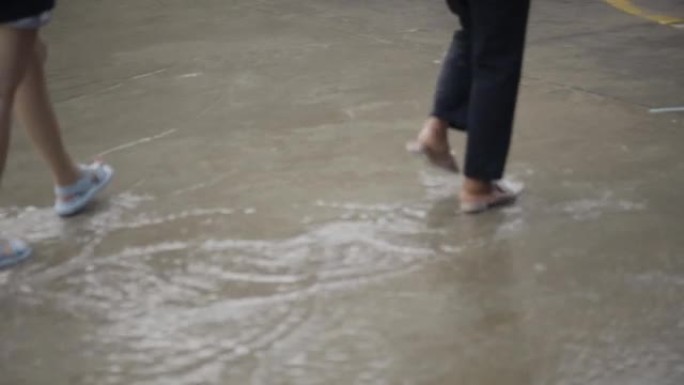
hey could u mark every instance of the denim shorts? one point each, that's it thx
(32, 22)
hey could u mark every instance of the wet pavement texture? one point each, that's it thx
(267, 228)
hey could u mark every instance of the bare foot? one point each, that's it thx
(433, 143)
(478, 196)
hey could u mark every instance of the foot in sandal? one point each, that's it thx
(433, 144)
(479, 196)
(12, 252)
(71, 200)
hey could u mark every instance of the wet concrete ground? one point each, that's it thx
(267, 228)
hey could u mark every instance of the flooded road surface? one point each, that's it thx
(267, 228)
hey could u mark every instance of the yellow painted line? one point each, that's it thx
(628, 7)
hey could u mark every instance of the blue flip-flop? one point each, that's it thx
(12, 252)
(73, 199)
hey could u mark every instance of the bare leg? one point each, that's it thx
(34, 110)
(15, 52)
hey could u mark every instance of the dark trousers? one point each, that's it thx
(478, 87)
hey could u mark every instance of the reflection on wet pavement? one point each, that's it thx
(268, 229)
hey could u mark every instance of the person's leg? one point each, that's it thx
(451, 97)
(454, 83)
(15, 49)
(76, 186)
(498, 36)
(34, 111)
(15, 52)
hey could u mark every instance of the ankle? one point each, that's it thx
(476, 187)
(435, 133)
(436, 125)
(68, 177)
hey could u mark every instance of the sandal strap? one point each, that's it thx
(74, 189)
(501, 188)
(87, 173)
(14, 245)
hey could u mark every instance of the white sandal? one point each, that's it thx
(12, 252)
(73, 199)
